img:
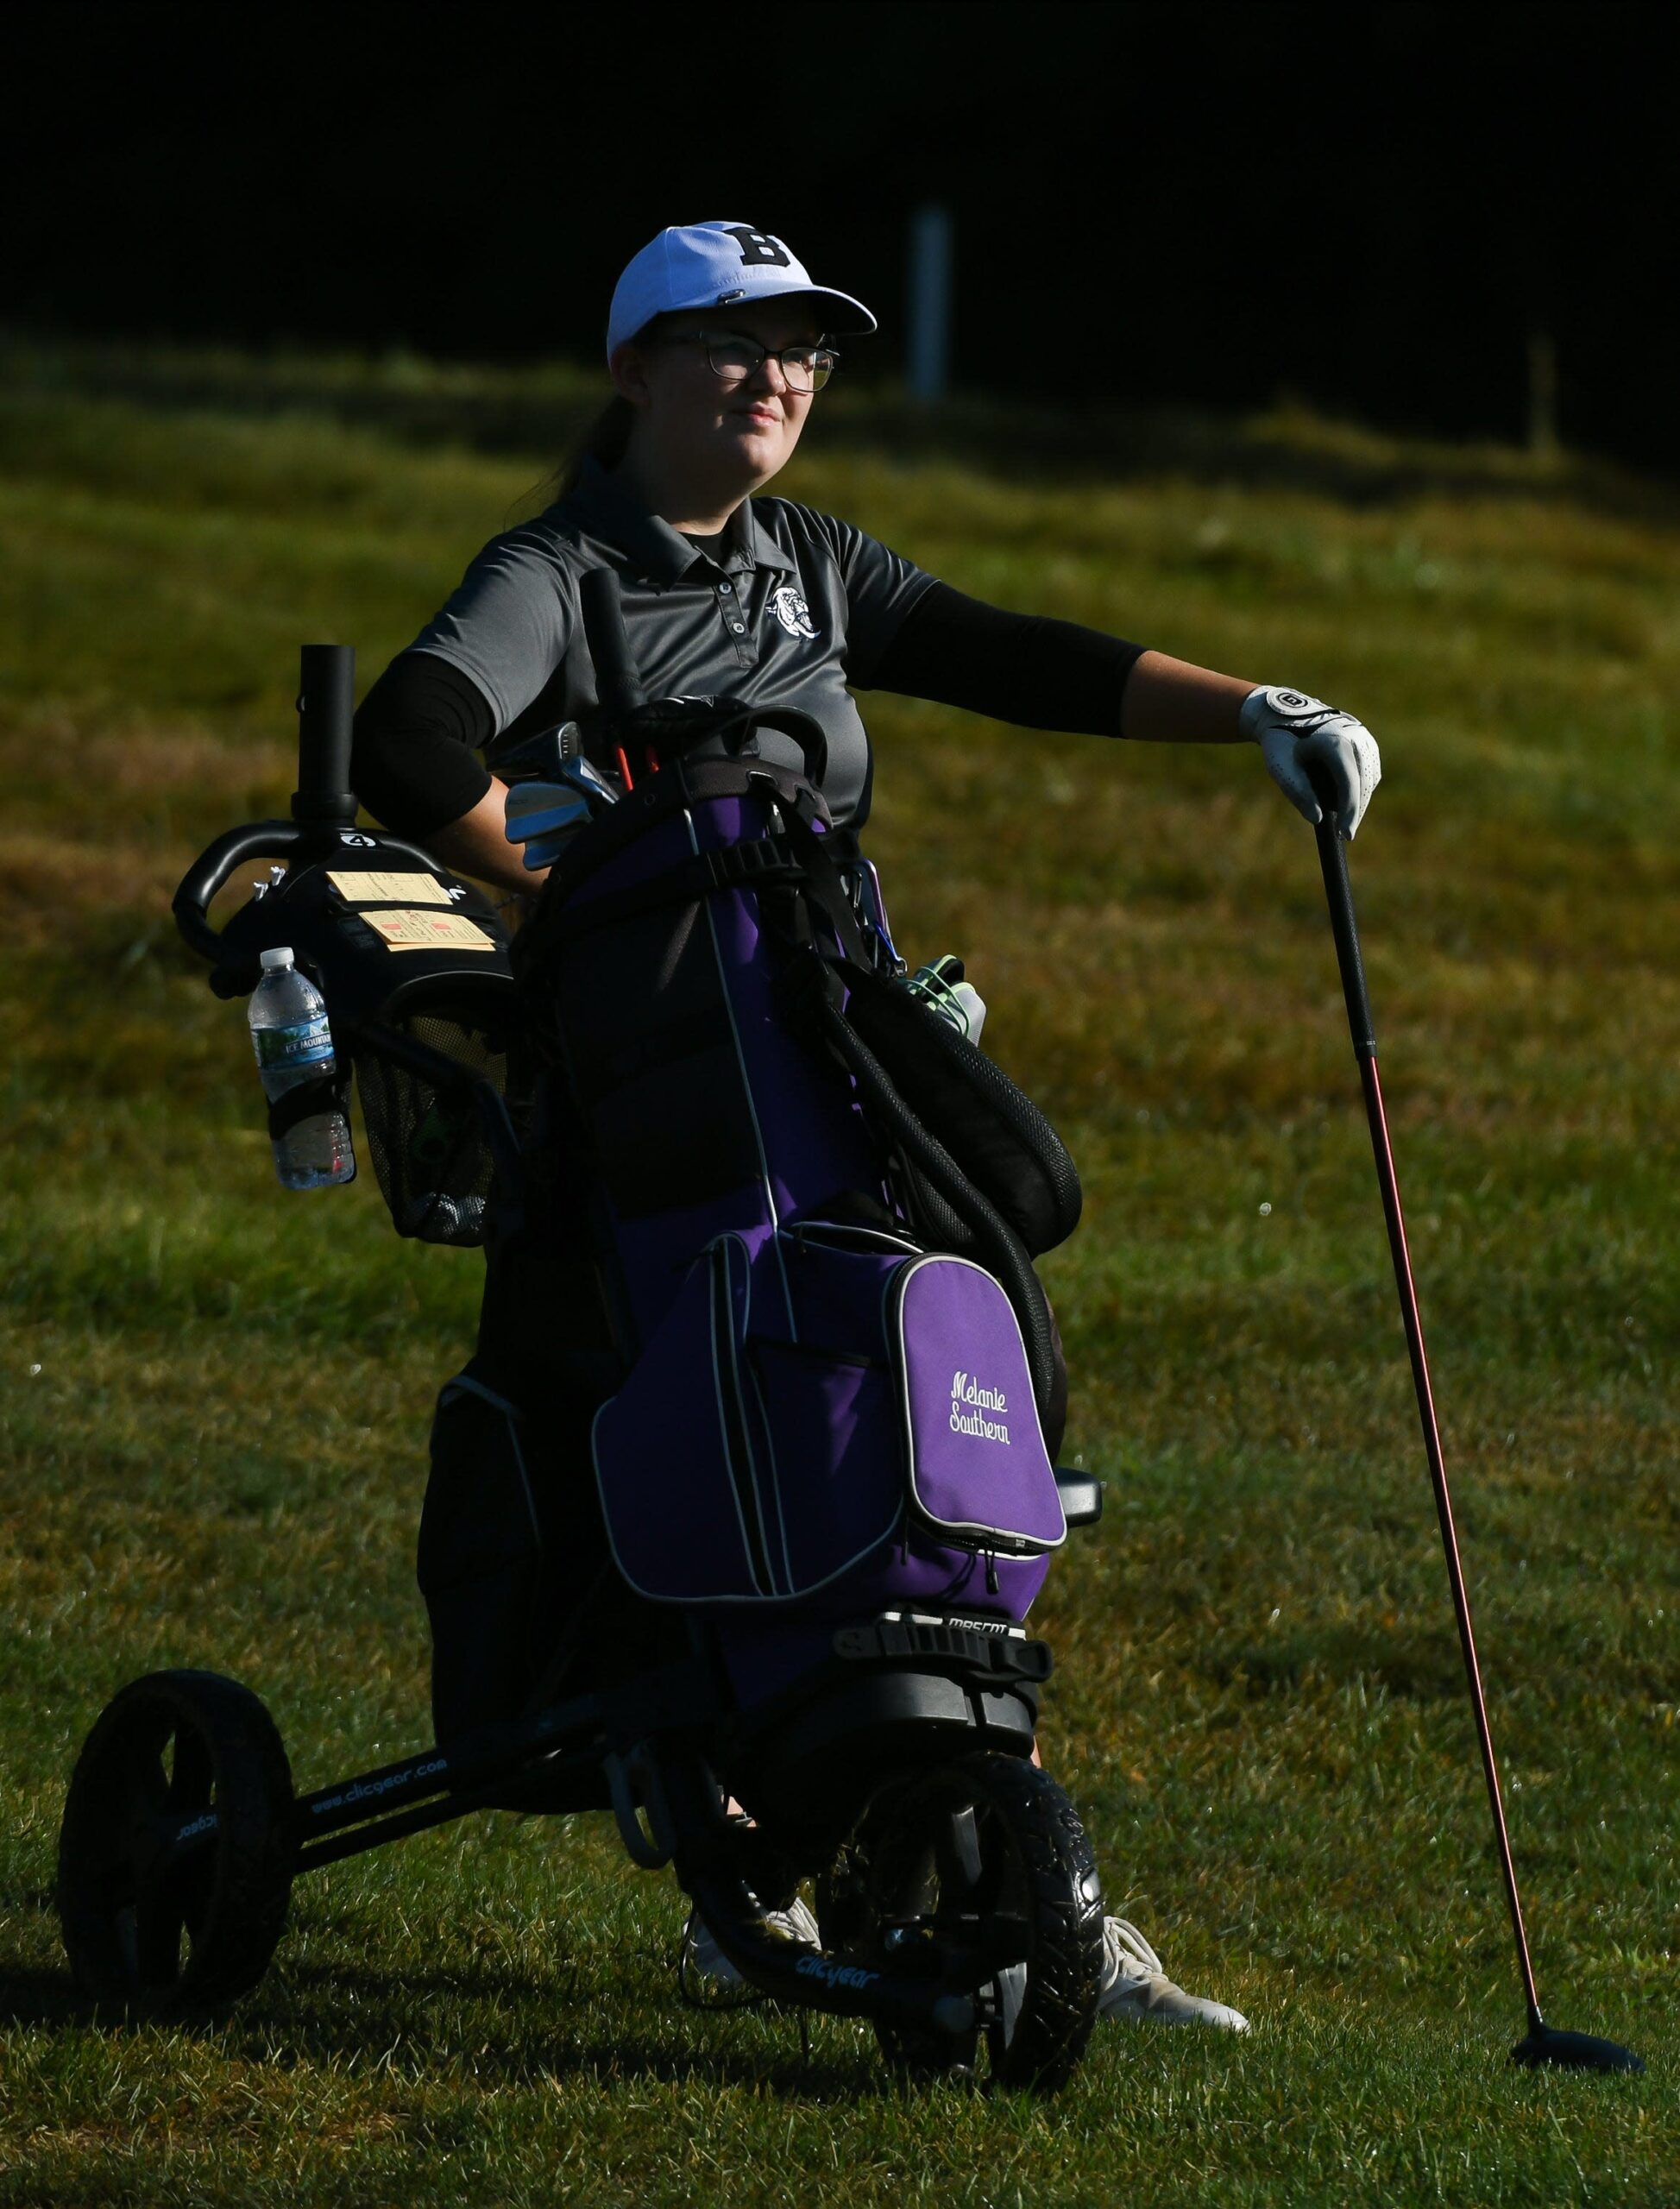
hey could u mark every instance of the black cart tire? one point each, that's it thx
(988, 1836)
(177, 1848)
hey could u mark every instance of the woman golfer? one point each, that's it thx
(718, 342)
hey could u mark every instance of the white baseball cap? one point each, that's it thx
(715, 265)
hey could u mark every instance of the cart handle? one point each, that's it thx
(270, 840)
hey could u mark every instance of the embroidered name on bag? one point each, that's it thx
(970, 1403)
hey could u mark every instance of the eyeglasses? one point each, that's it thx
(804, 368)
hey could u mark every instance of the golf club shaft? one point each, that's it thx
(1332, 858)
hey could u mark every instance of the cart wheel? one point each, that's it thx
(175, 1855)
(939, 1860)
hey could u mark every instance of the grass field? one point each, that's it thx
(215, 1397)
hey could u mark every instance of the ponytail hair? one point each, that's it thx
(608, 438)
(604, 442)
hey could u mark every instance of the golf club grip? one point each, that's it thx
(326, 701)
(1338, 893)
(609, 646)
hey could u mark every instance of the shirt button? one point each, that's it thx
(740, 627)
(727, 589)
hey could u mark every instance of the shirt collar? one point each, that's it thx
(602, 505)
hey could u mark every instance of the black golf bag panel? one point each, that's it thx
(480, 1556)
(520, 1593)
(414, 965)
(993, 1131)
(653, 985)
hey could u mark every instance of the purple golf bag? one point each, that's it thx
(842, 1373)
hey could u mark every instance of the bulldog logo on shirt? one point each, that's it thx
(788, 606)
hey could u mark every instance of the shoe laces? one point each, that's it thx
(1126, 1953)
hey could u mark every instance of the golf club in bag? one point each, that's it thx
(1544, 2043)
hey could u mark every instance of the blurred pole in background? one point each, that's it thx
(927, 305)
(1543, 440)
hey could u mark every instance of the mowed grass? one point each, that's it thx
(214, 1396)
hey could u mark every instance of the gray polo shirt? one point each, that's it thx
(797, 606)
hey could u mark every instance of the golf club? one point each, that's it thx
(543, 817)
(534, 808)
(1544, 2043)
(588, 781)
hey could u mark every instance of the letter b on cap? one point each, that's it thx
(759, 250)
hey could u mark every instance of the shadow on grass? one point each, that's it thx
(1418, 1667)
(33, 1997)
(335, 2012)
(325, 2014)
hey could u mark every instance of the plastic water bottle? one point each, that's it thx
(941, 985)
(292, 1042)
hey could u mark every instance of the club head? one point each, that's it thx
(543, 851)
(1572, 2052)
(544, 809)
(543, 755)
(533, 796)
(552, 820)
(590, 781)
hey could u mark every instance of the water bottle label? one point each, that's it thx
(305, 1043)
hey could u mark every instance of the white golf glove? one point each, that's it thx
(1305, 742)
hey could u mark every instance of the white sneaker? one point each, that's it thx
(704, 1962)
(1134, 1986)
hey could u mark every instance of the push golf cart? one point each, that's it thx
(818, 1500)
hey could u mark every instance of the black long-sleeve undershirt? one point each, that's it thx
(418, 730)
(1022, 668)
(413, 760)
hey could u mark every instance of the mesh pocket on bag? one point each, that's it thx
(430, 1156)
